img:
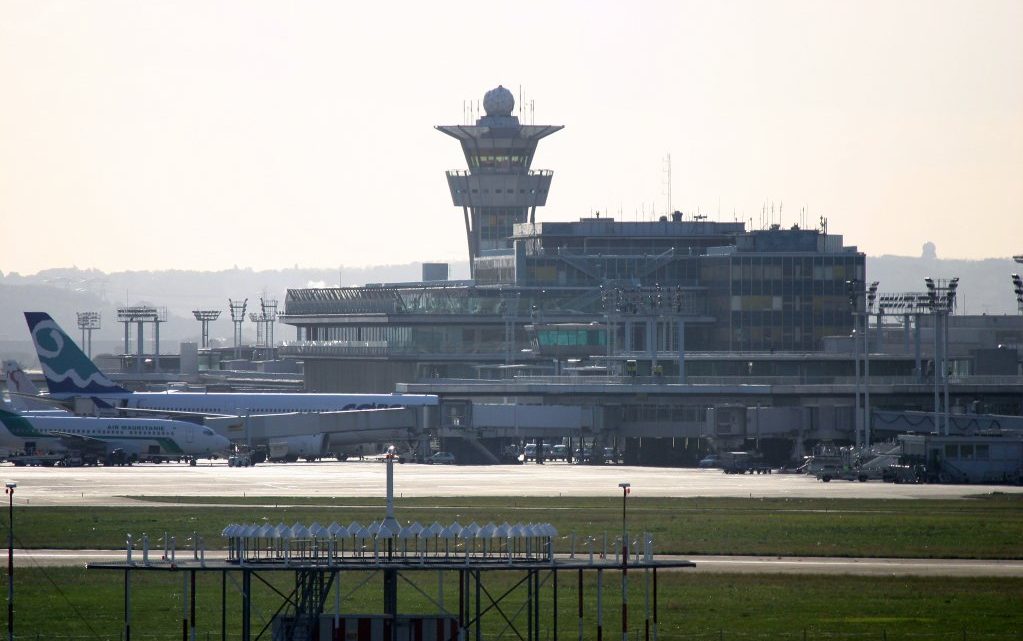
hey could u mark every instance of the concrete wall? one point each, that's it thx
(379, 377)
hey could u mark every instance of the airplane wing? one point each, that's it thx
(80, 442)
(45, 400)
(78, 438)
(143, 411)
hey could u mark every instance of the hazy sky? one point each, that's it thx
(200, 135)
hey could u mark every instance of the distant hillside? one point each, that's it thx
(63, 292)
(984, 288)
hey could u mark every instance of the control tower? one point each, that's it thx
(498, 190)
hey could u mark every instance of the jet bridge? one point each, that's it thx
(332, 430)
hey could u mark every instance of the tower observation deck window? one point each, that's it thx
(498, 161)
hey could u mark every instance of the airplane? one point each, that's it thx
(21, 390)
(137, 438)
(70, 374)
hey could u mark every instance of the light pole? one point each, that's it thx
(950, 302)
(10, 559)
(941, 300)
(854, 289)
(625, 564)
(871, 297)
(1017, 288)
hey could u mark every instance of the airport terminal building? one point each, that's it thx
(665, 337)
(729, 289)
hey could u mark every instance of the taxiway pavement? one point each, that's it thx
(85, 486)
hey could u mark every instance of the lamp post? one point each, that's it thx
(941, 300)
(10, 559)
(854, 289)
(871, 297)
(1017, 288)
(625, 564)
(950, 302)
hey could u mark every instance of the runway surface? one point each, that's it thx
(84, 486)
(704, 564)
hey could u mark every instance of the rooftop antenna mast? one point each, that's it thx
(667, 177)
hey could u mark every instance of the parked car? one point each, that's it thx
(611, 455)
(711, 460)
(441, 458)
(529, 452)
(559, 453)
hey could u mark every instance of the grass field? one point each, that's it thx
(982, 527)
(89, 604)
(53, 603)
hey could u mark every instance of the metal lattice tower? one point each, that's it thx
(87, 322)
(206, 316)
(238, 317)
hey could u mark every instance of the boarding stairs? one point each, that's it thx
(880, 457)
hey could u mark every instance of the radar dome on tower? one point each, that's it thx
(498, 102)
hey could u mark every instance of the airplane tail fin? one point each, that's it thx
(66, 367)
(21, 388)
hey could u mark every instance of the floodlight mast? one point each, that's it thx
(268, 306)
(206, 316)
(260, 323)
(87, 322)
(941, 302)
(1017, 288)
(868, 423)
(141, 314)
(237, 317)
(855, 292)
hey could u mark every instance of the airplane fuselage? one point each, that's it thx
(242, 404)
(138, 437)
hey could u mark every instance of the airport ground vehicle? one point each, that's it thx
(441, 458)
(830, 462)
(529, 452)
(239, 460)
(36, 460)
(559, 453)
(743, 463)
(711, 460)
(118, 457)
(611, 455)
